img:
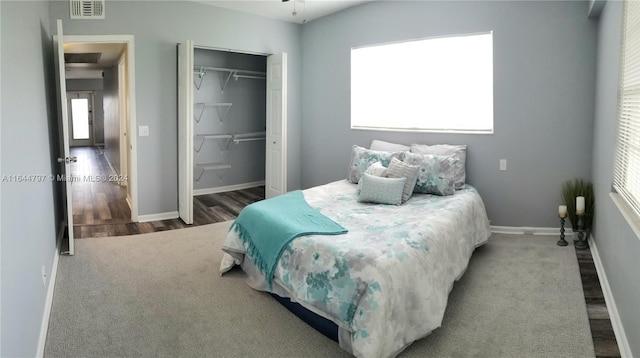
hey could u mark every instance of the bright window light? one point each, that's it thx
(80, 117)
(442, 84)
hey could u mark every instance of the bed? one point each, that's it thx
(385, 283)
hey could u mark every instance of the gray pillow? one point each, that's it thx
(387, 146)
(458, 151)
(436, 173)
(381, 190)
(400, 169)
(362, 158)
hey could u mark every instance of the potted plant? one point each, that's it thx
(572, 189)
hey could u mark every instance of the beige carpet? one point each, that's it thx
(159, 295)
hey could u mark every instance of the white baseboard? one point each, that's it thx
(159, 216)
(222, 189)
(44, 326)
(614, 316)
(525, 230)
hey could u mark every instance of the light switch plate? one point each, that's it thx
(143, 131)
(503, 164)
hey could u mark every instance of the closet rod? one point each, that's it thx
(248, 76)
(236, 141)
(233, 70)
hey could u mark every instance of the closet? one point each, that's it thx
(231, 121)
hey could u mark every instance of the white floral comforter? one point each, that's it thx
(385, 283)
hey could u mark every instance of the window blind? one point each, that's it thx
(626, 176)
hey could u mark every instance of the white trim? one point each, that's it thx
(222, 189)
(525, 230)
(48, 303)
(160, 216)
(627, 212)
(614, 316)
(131, 60)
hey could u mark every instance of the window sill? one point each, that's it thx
(629, 215)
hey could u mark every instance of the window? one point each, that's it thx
(442, 84)
(626, 176)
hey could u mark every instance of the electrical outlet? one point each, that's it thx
(44, 276)
(503, 164)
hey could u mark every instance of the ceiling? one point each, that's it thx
(109, 55)
(306, 10)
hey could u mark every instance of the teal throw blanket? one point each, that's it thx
(268, 226)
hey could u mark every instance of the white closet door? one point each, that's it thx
(185, 131)
(276, 151)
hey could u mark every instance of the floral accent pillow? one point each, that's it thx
(363, 158)
(436, 174)
(459, 153)
(400, 169)
(381, 190)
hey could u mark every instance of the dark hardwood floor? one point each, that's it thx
(604, 339)
(100, 209)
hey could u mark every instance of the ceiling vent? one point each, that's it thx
(89, 57)
(86, 9)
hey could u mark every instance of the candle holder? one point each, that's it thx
(562, 241)
(583, 234)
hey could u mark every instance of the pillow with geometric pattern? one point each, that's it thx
(381, 190)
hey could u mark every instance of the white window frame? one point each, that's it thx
(626, 172)
(433, 84)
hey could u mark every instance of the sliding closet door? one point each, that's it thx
(276, 155)
(185, 131)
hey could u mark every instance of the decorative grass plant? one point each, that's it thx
(572, 189)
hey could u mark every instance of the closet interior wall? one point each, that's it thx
(229, 120)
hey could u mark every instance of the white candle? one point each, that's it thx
(562, 211)
(580, 205)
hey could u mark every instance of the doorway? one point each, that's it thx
(106, 192)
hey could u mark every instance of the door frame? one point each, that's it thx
(128, 40)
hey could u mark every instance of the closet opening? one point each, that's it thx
(227, 137)
(229, 121)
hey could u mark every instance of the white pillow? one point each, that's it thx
(389, 147)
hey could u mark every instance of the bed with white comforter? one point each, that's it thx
(386, 282)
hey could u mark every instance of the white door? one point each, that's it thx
(185, 131)
(276, 151)
(63, 124)
(80, 110)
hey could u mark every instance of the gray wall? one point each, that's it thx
(544, 65)
(111, 117)
(618, 246)
(28, 139)
(165, 24)
(246, 115)
(94, 85)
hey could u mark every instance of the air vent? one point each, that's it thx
(86, 9)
